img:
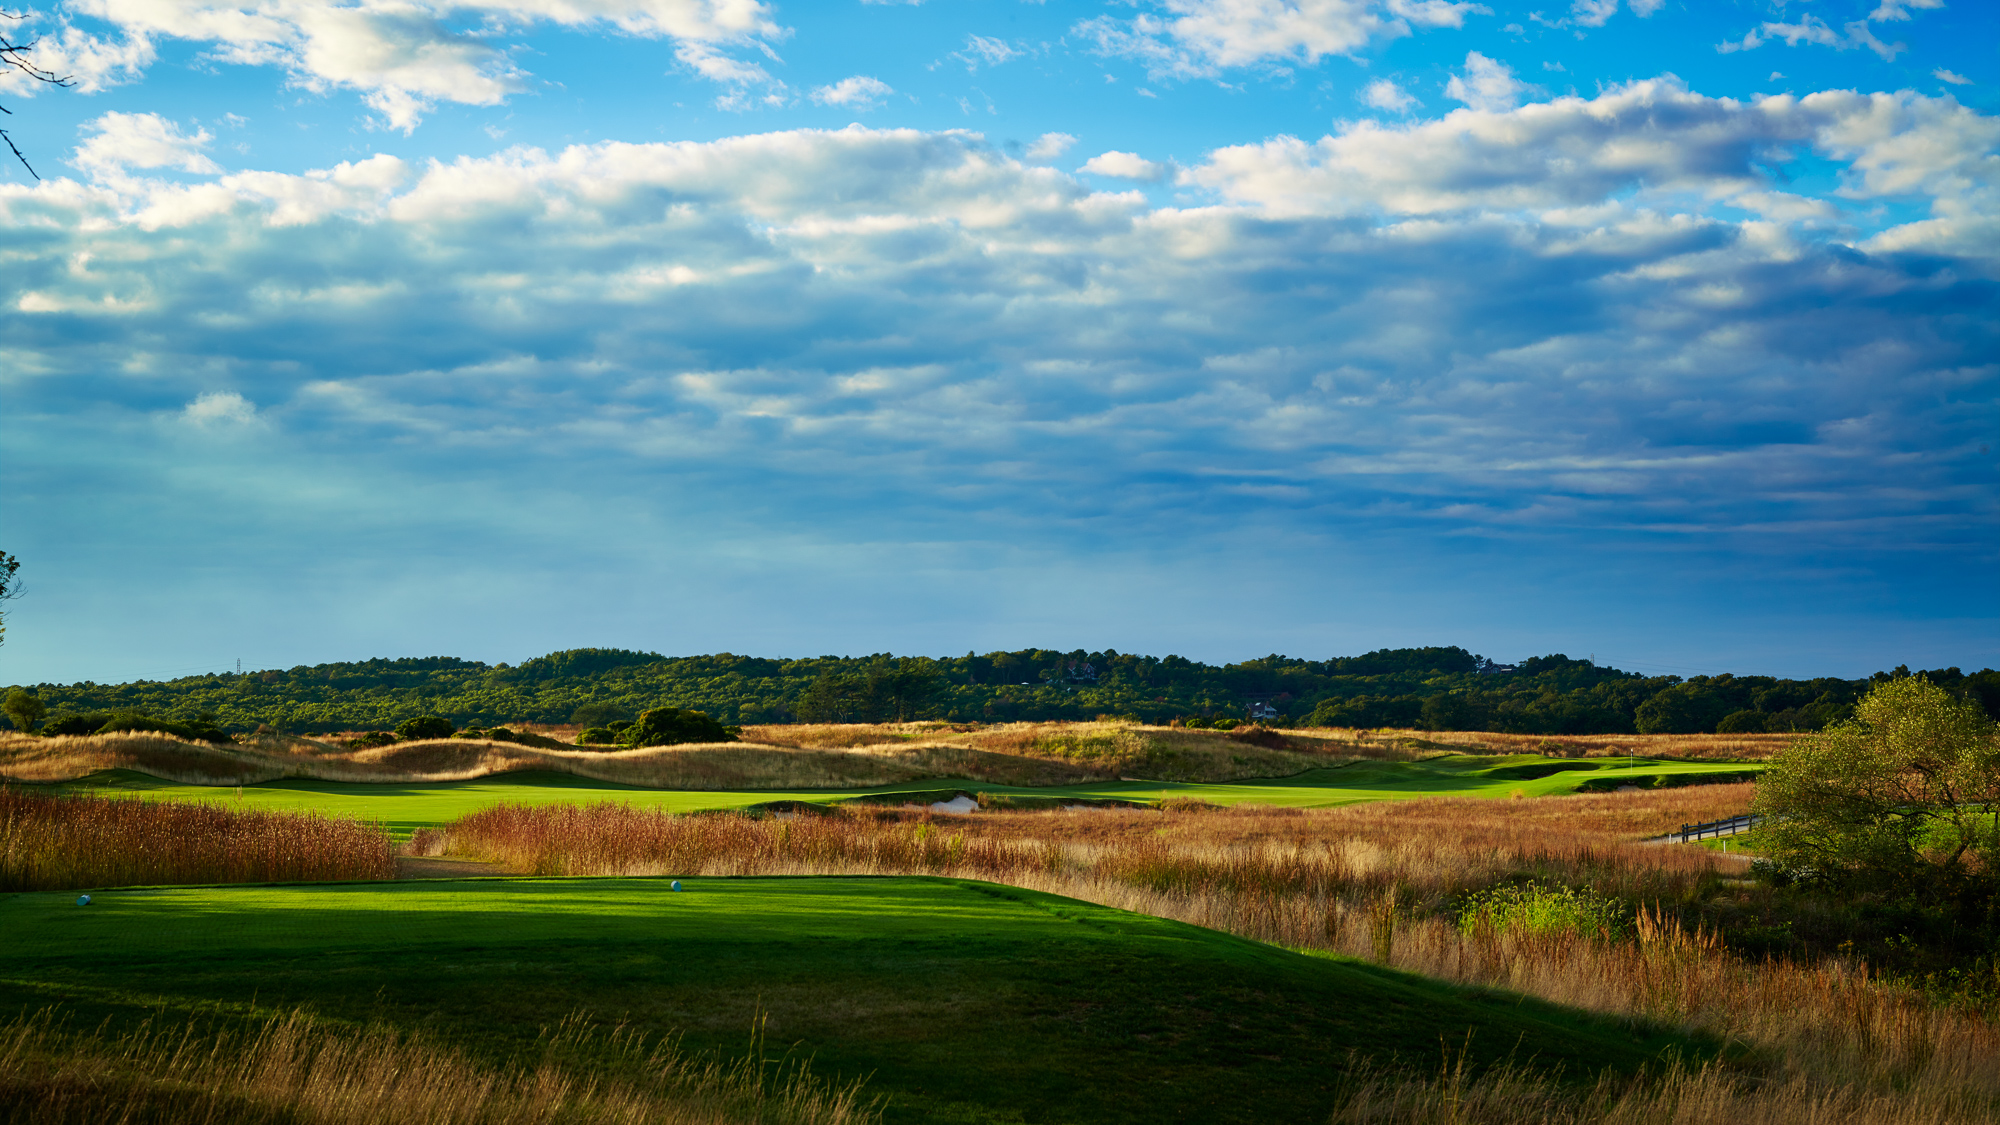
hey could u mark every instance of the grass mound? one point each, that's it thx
(965, 1001)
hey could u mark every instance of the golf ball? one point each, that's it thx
(677, 884)
(83, 900)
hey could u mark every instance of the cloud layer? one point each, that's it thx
(1606, 318)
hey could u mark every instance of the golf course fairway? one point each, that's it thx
(403, 807)
(960, 1001)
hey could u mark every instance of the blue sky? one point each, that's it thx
(1663, 333)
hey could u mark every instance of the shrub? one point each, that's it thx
(202, 729)
(372, 738)
(424, 726)
(75, 724)
(667, 726)
(1531, 908)
(597, 736)
(1744, 722)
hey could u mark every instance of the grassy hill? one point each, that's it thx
(962, 1001)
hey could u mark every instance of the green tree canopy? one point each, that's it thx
(1901, 798)
(25, 708)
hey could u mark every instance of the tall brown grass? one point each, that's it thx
(297, 1071)
(73, 843)
(1381, 882)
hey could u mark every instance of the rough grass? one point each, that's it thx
(296, 1070)
(1383, 882)
(71, 843)
(832, 756)
(805, 757)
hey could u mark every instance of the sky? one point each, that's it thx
(1662, 333)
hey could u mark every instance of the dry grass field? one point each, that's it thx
(827, 756)
(299, 1071)
(71, 843)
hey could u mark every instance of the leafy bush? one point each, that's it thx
(597, 736)
(668, 726)
(424, 726)
(1531, 908)
(202, 729)
(74, 724)
(372, 738)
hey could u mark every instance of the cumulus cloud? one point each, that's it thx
(1485, 84)
(1508, 323)
(120, 141)
(859, 92)
(402, 56)
(1384, 94)
(1124, 166)
(220, 408)
(1201, 38)
(1049, 146)
(1593, 13)
(1943, 75)
(1900, 9)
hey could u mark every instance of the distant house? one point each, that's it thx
(1261, 711)
(1499, 669)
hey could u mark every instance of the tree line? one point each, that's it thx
(1441, 688)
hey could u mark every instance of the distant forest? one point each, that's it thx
(1430, 688)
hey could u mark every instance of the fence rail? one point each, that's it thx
(1714, 828)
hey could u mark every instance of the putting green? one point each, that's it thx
(404, 807)
(965, 1001)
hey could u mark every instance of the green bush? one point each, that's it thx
(202, 729)
(1531, 908)
(74, 724)
(597, 736)
(1744, 722)
(424, 726)
(372, 738)
(668, 726)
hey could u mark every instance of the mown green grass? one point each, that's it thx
(965, 1001)
(404, 807)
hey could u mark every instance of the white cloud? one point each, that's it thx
(1201, 38)
(1124, 166)
(1811, 29)
(1049, 146)
(1435, 13)
(1943, 75)
(403, 56)
(1384, 94)
(1593, 13)
(1900, 9)
(1656, 137)
(984, 50)
(220, 408)
(1487, 84)
(859, 92)
(1645, 8)
(121, 141)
